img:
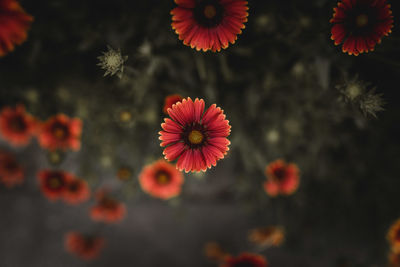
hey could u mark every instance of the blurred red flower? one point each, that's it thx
(15, 23)
(169, 101)
(86, 247)
(209, 24)
(196, 138)
(161, 180)
(53, 183)
(361, 24)
(107, 209)
(282, 178)
(76, 191)
(393, 236)
(245, 259)
(61, 132)
(11, 172)
(17, 126)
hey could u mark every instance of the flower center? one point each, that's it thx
(361, 20)
(74, 186)
(162, 178)
(195, 137)
(125, 116)
(55, 182)
(280, 173)
(18, 124)
(210, 11)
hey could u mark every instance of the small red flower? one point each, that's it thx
(61, 132)
(170, 100)
(245, 259)
(361, 24)
(283, 178)
(15, 23)
(393, 236)
(161, 180)
(196, 138)
(53, 183)
(86, 247)
(107, 209)
(77, 191)
(17, 126)
(209, 24)
(11, 172)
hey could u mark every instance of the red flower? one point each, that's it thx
(196, 138)
(393, 236)
(361, 24)
(161, 180)
(86, 247)
(209, 24)
(16, 126)
(245, 259)
(11, 172)
(283, 178)
(15, 22)
(76, 191)
(169, 101)
(107, 209)
(61, 132)
(53, 183)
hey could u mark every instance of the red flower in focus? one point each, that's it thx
(107, 209)
(209, 24)
(283, 178)
(15, 23)
(61, 132)
(169, 101)
(11, 172)
(17, 126)
(86, 247)
(196, 138)
(393, 236)
(53, 183)
(76, 191)
(161, 180)
(245, 260)
(361, 24)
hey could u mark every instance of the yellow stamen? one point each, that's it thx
(362, 20)
(210, 11)
(195, 137)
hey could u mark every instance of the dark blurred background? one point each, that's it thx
(281, 85)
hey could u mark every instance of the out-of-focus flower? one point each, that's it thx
(15, 23)
(124, 173)
(267, 236)
(213, 251)
(61, 132)
(161, 180)
(170, 100)
(371, 103)
(53, 183)
(17, 126)
(11, 172)
(361, 24)
(394, 259)
(77, 191)
(245, 259)
(357, 93)
(209, 24)
(282, 178)
(112, 62)
(393, 236)
(196, 138)
(107, 208)
(86, 247)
